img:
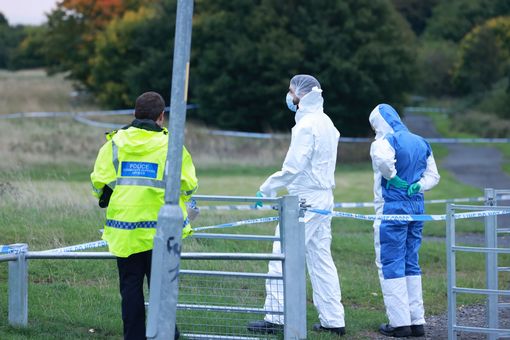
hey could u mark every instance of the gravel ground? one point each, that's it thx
(437, 325)
(479, 167)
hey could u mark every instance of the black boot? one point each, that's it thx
(417, 330)
(265, 327)
(335, 330)
(397, 332)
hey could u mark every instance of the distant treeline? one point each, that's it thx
(243, 53)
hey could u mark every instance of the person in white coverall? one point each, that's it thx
(404, 167)
(308, 171)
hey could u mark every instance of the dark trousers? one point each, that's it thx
(132, 271)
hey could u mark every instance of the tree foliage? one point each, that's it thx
(435, 60)
(416, 12)
(245, 52)
(10, 37)
(484, 56)
(29, 52)
(453, 19)
(72, 30)
(243, 55)
(133, 55)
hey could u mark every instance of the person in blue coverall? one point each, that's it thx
(404, 167)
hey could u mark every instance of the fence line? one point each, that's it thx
(11, 249)
(82, 118)
(350, 204)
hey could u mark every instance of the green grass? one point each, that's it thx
(69, 298)
(45, 201)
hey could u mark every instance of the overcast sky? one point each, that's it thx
(26, 12)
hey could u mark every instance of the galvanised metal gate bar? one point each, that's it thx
(292, 257)
(491, 291)
(492, 231)
(292, 238)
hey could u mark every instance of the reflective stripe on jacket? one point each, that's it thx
(132, 163)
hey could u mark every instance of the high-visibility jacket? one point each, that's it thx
(132, 163)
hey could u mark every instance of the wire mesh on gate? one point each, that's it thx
(218, 298)
(219, 306)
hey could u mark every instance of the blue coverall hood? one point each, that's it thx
(384, 120)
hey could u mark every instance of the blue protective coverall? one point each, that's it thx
(396, 151)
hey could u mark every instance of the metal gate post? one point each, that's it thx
(167, 242)
(491, 265)
(18, 287)
(450, 271)
(293, 243)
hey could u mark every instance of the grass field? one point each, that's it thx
(45, 202)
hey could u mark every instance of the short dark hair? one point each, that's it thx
(149, 105)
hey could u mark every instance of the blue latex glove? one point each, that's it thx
(413, 189)
(397, 182)
(259, 204)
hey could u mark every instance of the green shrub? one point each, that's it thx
(484, 56)
(482, 124)
(497, 100)
(362, 52)
(453, 19)
(435, 63)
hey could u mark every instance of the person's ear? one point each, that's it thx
(161, 119)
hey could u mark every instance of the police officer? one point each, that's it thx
(128, 180)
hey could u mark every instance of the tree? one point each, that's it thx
(10, 37)
(484, 56)
(133, 55)
(242, 57)
(245, 52)
(3, 20)
(453, 19)
(435, 60)
(72, 29)
(416, 12)
(29, 53)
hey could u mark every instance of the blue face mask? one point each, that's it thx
(290, 104)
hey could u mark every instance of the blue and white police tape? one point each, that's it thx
(433, 140)
(234, 207)
(83, 246)
(477, 214)
(98, 244)
(258, 135)
(12, 248)
(238, 223)
(450, 200)
(80, 116)
(42, 114)
(351, 204)
(409, 218)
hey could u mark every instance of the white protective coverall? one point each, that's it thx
(308, 171)
(396, 151)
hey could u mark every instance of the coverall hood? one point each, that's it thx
(312, 102)
(385, 120)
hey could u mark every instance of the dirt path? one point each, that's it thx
(478, 166)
